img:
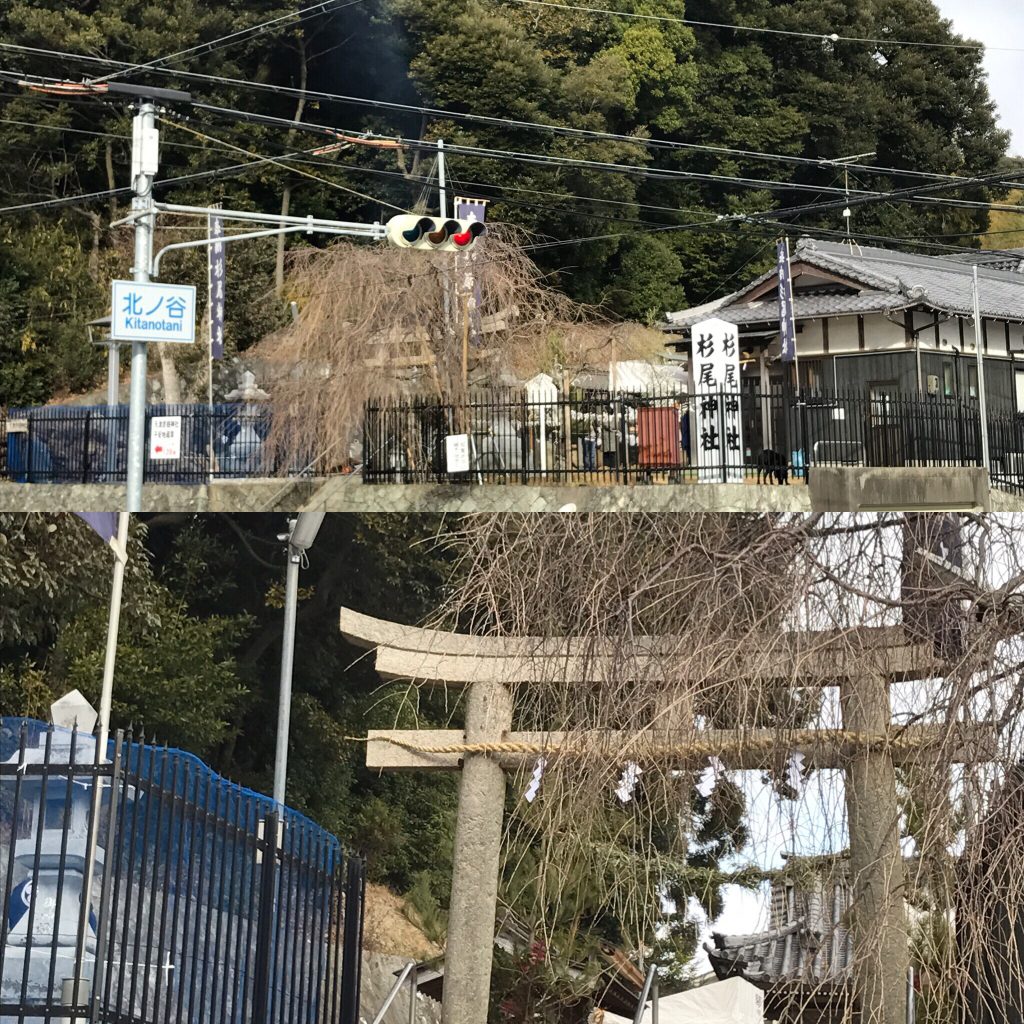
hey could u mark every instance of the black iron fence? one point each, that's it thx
(505, 435)
(600, 437)
(208, 905)
(185, 444)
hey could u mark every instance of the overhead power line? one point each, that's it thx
(832, 37)
(428, 111)
(232, 37)
(159, 184)
(643, 171)
(179, 123)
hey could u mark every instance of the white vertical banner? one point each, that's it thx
(715, 354)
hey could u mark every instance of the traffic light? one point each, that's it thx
(411, 232)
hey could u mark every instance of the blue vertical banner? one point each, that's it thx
(104, 523)
(787, 324)
(218, 272)
(468, 281)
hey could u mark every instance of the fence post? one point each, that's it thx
(103, 917)
(28, 448)
(85, 448)
(367, 419)
(352, 941)
(266, 926)
(804, 446)
(525, 435)
(145, 443)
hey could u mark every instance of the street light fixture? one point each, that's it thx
(302, 531)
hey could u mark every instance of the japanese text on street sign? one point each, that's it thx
(457, 453)
(165, 437)
(716, 373)
(787, 325)
(152, 312)
(218, 270)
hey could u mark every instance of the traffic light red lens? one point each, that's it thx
(464, 238)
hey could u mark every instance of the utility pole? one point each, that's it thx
(442, 191)
(145, 161)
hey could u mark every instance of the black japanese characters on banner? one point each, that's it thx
(218, 269)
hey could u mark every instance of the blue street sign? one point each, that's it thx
(152, 312)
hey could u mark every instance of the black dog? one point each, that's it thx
(772, 464)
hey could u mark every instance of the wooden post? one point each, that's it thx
(476, 861)
(879, 926)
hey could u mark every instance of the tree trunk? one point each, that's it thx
(94, 252)
(111, 180)
(169, 374)
(286, 195)
(286, 202)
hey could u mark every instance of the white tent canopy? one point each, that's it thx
(733, 1001)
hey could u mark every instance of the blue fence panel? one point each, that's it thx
(208, 904)
(89, 444)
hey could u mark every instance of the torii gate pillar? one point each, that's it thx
(879, 921)
(477, 852)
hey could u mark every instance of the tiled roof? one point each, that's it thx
(1000, 259)
(793, 953)
(812, 946)
(804, 307)
(887, 280)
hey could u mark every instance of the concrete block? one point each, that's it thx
(912, 489)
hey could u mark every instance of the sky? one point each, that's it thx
(996, 23)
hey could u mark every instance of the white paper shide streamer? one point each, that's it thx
(630, 774)
(795, 773)
(534, 787)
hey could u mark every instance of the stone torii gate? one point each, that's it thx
(869, 748)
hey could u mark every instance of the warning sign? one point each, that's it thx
(457, 453)
(165, 437)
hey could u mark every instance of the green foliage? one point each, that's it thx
(176, 674)
(177, 679)
(47, 295)
(914, 107)
(53, 568)
(424, 910)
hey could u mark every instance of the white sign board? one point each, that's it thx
(715, 356)
(456, 448)
(165, 437)
(72, 709)
(153, 312)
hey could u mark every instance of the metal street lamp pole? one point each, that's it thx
(301, 533)
(144, 167)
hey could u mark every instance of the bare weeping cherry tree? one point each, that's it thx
(884, 649)
(388, 323)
